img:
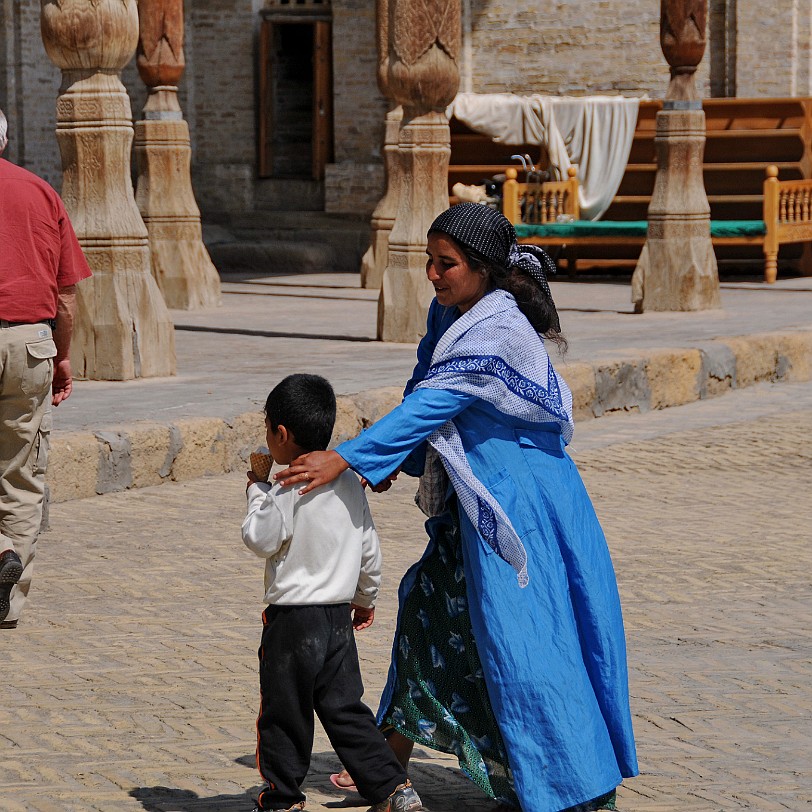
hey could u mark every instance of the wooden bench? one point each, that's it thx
(547, 214)
(744, 137)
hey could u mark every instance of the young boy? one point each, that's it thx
(322, 574)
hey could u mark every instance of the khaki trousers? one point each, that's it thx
(26, 372)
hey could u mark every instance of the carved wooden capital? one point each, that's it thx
(160, 58)
(683, 24)
(424, 42)
(419, 24)
(89, 35)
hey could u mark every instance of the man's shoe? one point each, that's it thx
(403, 799)
(11, 568)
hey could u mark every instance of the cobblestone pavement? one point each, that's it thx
(131, 682)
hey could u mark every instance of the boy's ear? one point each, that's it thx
(284, 434)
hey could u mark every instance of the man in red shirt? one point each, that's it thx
(40, 263)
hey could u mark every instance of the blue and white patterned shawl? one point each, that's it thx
(492, 352)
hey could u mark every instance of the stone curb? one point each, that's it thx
(84, 464)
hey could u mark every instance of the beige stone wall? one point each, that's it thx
(575, 47)
(774, 48)
(355, 181)
(220, 102)
(29, 84)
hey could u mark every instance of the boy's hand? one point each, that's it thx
(381, 487)
(252, 478)
(361, 616)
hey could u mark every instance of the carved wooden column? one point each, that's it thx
(376, 257)
(424, 45)
(677, 268)
(123, 329)
(180, 263)
(383, 218)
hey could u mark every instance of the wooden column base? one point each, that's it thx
(677, 267)
(123, 329)
(405, 292)
(376, 257)
(180, 263)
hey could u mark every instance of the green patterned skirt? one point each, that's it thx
(439, 698)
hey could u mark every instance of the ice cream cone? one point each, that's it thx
(261, 465)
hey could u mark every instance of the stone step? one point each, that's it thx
(291, 242)
(272, 219)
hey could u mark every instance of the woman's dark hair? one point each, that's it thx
(306, 406)
(537, 307)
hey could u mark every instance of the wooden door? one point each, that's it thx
(322, 98)
(295, 68)
(265, 144)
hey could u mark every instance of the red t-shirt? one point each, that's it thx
(39, 252)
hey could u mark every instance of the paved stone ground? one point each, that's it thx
(230, 357)
(131, 683)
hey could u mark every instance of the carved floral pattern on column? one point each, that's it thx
(421, 23)
(425, 39)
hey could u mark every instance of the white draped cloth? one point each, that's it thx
(593, 132)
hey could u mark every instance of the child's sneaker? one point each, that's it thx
(403, 799)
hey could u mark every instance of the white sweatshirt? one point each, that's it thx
(320, 548)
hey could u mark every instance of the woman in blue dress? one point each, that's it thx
(509, 650)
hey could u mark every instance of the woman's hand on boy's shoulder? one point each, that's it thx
(362, 617)
(312, 469)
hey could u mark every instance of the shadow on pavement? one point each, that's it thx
(442, 788)
(239, 331)
(168, 799)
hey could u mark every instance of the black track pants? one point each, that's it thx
(308, 662)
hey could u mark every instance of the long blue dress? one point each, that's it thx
(553, 653)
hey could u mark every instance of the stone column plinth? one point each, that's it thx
(123, 329)
(677, 267)
(180, 263)
(376, 257)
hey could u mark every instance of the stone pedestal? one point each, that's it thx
(383, 218)
(406, 293)
(123, 329)
(677, 267)
(180, 263)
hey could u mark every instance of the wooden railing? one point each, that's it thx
(540, 202)
(786, 214)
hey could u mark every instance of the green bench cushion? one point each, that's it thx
(632, 228)
(738, 228)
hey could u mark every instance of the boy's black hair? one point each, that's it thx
(306, 406)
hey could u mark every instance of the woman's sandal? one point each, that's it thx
(345, 787)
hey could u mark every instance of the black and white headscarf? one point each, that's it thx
(491, 234)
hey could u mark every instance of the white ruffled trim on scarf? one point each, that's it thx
(516, 378)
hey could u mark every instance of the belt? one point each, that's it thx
(50, 322)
